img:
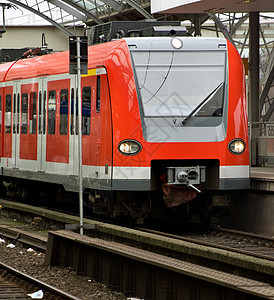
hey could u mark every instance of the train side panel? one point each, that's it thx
(235, 166)
(97, 129)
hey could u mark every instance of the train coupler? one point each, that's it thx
(178, 184)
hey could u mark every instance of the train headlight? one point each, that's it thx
(129, 147)
(176, 43)
(236, 146)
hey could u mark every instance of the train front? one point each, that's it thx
(192, 137)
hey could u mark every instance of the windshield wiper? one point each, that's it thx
(199, 105)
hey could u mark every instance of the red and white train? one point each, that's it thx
(162, 115)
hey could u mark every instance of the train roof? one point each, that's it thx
(58, 63)
(53, 64)
(164, 43)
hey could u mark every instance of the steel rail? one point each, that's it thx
(218, 246)
(44, 286)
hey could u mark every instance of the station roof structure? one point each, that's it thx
(69, 13)
(211, 6)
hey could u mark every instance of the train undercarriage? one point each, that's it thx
(134, 207)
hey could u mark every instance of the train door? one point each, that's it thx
(42, 116)
(28, 122)
(103, 111)
(96, 129)
(7, 136)
(57, 147)
(15, 125)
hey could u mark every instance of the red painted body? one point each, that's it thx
(124, 88)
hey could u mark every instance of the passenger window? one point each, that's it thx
(98, 93)
(32, 113)
(44, 111)
(76, 105)
(16, 112)
(8, 114)
(15, 117)
(73, 108)
(40, 113)
(72, 111)
(64, 112)
(24, 113)
(51, 112)
(86, 106)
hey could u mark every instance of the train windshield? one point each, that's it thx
(175, 83)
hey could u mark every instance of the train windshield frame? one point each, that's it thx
(175, 83)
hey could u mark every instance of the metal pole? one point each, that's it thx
(4, 18)
(253, 99)
(81, 214)
(254, 60)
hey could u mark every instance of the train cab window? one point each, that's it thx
(64, 112)
(8, 114)
(51, 112)
(98, 93)
(86, 107)
(24, 113)
(32, 113)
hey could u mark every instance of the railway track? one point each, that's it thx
(224, 239)
(230, 240)
(15, 284)
(255, 245)
(216, 250)
(11, 290)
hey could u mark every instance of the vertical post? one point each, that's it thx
(81, 214)
(197, 25)
(4, 18)
(253, 99)
(254, 57)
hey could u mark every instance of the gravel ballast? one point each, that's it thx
(32, 263)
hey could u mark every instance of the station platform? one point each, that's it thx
(262, 178)
(253, 210)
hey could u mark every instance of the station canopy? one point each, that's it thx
(67, 14)
(211, 6)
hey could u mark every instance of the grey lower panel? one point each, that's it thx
(70, 182)
(131, 185)
(234, 184)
